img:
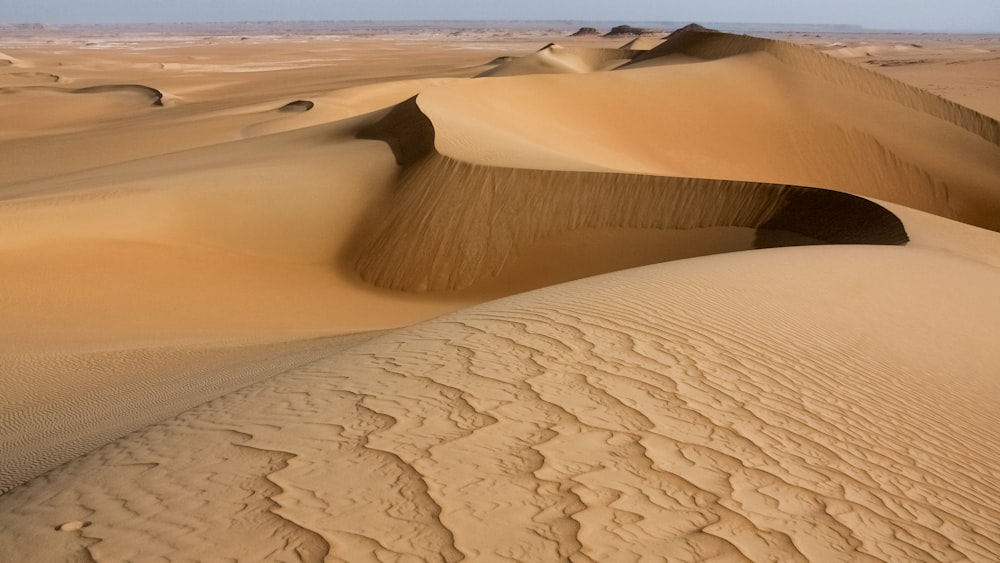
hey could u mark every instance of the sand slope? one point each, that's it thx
(786, 404)
(501, 211)
(238, 248)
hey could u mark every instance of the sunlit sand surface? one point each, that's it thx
(501, 295)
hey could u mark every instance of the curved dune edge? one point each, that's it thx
(155, 96)
(554, 58)
(751, 118)
(298, 106)
(710, 45)
(451, 224)
(716, 407)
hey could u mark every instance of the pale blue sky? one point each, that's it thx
(950, 15)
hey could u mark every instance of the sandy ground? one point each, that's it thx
(224, 261)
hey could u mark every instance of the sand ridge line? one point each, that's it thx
(502, 210)
(712, 45)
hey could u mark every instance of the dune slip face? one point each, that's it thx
(499, 210)
(438, 294)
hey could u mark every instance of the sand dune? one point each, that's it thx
(643, 43)
(797, 122)
(713, 45)
(554, 59)
(503, 210)
(33, 110)
(154, 96)
(223, 333)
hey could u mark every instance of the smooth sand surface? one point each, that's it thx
(224, 261)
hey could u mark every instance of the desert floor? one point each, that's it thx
(498, 294)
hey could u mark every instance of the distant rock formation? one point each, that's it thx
(694, 27)
(629, 31)
(584, 31)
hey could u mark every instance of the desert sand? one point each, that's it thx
(499, 294)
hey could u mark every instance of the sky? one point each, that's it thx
(922, 15)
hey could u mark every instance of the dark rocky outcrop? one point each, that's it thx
(629, 31)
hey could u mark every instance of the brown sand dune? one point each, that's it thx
(796, 122)
(643, 43)
(961, 71)
(710, 45)
(37, 110)
(29, 76)
(811, 403)
(503, 210)
(784, 404)
(558, 59)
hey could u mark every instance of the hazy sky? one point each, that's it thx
(956, 15)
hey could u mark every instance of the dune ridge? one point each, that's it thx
(554, 58)
(711, 45)
(788, 127)
(501, 210)
(154, 96)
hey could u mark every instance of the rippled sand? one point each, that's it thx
(224, 264)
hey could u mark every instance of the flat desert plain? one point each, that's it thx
(499, 295)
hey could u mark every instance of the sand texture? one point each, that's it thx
(499, 295)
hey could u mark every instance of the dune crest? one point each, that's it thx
(559, 59)
(501, 211)
(154, 96)
(713, 45)
(747, 117)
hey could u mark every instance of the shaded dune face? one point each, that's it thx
(154, 96)
(450, 224)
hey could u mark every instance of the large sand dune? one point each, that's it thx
(223, 265)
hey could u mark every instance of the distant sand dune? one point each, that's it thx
(710, 45)
(845, 128)
(555, 58)
(643, 43)
(154, 96)
(42, 109)
(33, 76)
